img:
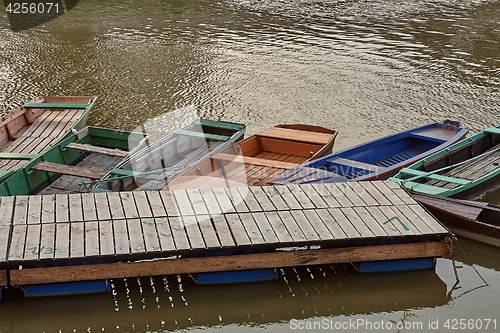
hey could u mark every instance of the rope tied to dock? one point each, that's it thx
(449, 247)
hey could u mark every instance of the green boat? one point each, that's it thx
(154, 166)
(70, 165)
(468, 169)
(37, 125)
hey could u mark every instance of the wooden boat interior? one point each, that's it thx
(151, 167)
(260, 157)
(396, 149)
(471, 161)
(75, 163)
(37, 125)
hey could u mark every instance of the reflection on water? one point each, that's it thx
(176, 302)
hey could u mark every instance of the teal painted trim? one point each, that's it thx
(493, 130)
(423, 174)
(220, 124)
(400, 222)
(17, 156)
(206, 136)
(55, 106)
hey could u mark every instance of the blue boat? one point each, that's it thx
(378, 159)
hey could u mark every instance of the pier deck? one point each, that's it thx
(90, 236)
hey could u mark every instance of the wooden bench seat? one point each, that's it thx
(56, 106)
(69, 170)
(95, 149)
(206, 136)
(434, 176)
(356, 164)
(296, 135)
(253, 161)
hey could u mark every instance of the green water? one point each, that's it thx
(364, 68)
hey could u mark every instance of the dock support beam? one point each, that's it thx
(225, 263)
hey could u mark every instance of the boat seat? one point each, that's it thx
(296, 135)
(96, 149)
(356, 164)
(433, 176)
(17, 156)
(429, 189)
(206, 136)
(68, 170)
(393, 160)
(253, 160)
(55, 106)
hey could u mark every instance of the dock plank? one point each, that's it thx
(4, 242)
(287, 197)
(92, 239)
(48, 208)
(197, 202)
(223, 232)
(251, 228)
(301, 194)
(169, 203)
(362, 193)
(337, 194)
(106, 239)
(102, 206)
(396, 218)
(382, 220)
(62, 208)
(375, 193)
(415, 220)
(279, 228)
(115, 206)
(193, 231)
(20, 209)
(351, 195)
(265, 227)
(314, 198)
(62, 245)
(370, 221)
(342, 221)
(6, 210)
(179, 233)
(47, 241)
(223, 200)
(208, 231)
(211, 203)
(325, 195)
(236, 199)
(120, 231)
(261, 198)
(357, 222)
(32, 246)
(238, 231)
(142, 204)
(150, 235)
(129, 206)
(89, 207)
(136, 236)
(428, 219)
(318, 225)
(388, 193)
(18, 241)
(274, 196)
(34, 209)
(292, 227)
(183, 203)
(164, 234)
(77, 234)
(156, 204)
(305, 226)
(250, 200)
(75, 207)
(331, 224)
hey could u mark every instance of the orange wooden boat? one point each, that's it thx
(259, 158)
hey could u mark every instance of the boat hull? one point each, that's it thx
(378, 159)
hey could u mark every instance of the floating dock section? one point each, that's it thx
(96, 236)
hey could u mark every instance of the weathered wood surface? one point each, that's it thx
(225, 263)
(143, 224)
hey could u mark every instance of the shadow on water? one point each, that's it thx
(29, 14)
(176, 302)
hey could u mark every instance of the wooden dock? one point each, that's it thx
(92, 236)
